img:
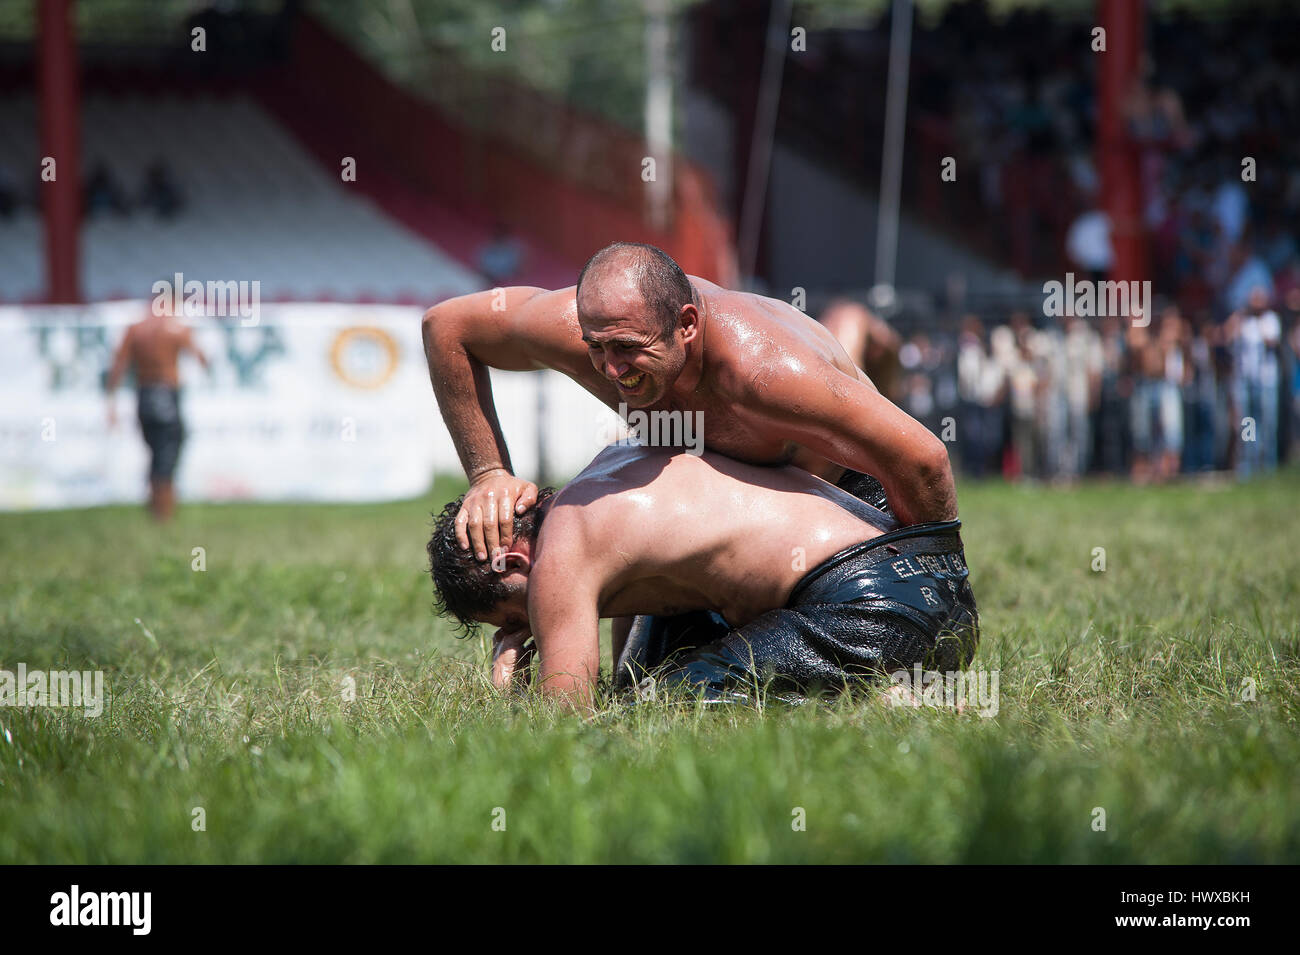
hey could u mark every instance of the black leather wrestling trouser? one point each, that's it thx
(891, 603)
(159, 411)
(865, 488)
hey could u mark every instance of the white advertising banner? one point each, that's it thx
(313, 402)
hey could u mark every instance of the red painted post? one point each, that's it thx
(1117, 154)
(60, 116)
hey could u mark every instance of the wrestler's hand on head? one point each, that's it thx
(487, 515)
(509, 656)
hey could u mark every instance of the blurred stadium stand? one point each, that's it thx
(254, 141)
(255, 205)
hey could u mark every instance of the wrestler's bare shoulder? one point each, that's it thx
(749, 334)
(618, 503)
(648, 485)
(633, 486)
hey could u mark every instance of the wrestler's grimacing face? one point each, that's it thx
(626, 344)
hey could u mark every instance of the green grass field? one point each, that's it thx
(1128, 691)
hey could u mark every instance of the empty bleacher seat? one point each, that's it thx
(256, 207)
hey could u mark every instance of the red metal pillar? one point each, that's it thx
(60, 113)
(1118, 162)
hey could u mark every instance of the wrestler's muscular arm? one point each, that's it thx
(121, 360)
(564, 615)
(849, 422)
(188, 344)
(514, 329)
(116, 372)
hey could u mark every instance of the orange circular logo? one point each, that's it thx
(364, 356)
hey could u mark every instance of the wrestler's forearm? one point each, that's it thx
(843, 420)
(932, 498)
(117, 371)
(919, 485)
(471, 418)
(567, 674)
(462, 386)
(565, 622)
(573, 693)
(914, 471)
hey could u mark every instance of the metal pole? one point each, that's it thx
(891, 161)
(760, 150)
(543, 451)
(659, 112)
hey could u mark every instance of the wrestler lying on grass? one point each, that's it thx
(770, 577)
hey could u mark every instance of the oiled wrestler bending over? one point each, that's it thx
(795, 581)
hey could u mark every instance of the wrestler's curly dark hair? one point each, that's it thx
(464, 588)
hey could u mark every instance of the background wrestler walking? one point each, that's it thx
(151, 348)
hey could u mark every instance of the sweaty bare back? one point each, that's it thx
(666, 533)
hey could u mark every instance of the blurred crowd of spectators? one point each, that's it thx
(1213, 383)
(1087, 396)
(1219, 100)
(1220, 163)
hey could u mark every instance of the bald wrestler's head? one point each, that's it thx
(638, 313)
(493, 592)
